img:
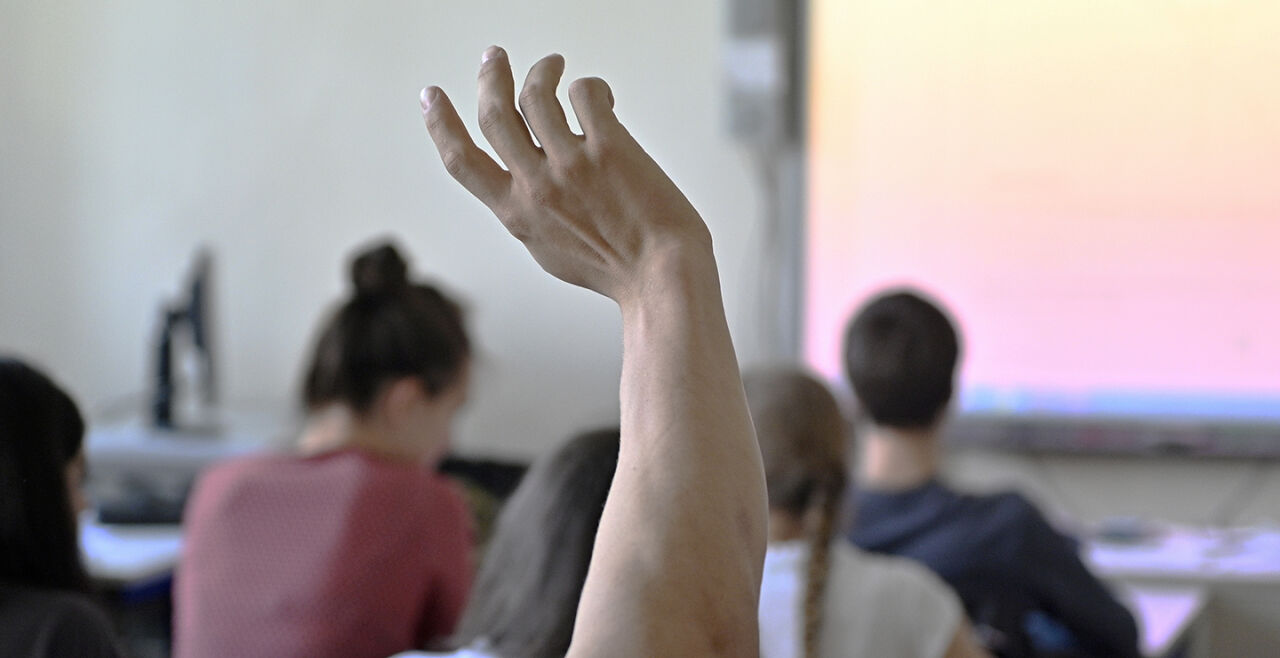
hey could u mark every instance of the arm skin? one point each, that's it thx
(678, 557)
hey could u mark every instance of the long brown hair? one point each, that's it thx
(802, 441)
(526, 594)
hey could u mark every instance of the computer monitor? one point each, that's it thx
(193, 314)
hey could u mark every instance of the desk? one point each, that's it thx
(165, 463)
(1166, 615)
(1238, 570)
(1194, 555)
(129, 556)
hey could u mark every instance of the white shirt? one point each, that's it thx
(460, 653)
(876, 606)
(475, 651)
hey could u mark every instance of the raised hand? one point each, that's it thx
(677, 560)
(593, 209)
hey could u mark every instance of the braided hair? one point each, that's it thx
(802, 442)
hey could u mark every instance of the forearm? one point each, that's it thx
(689, 478)
(676, 567)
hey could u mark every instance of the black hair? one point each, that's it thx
(900, 353)
(526, 593)
(41, 432)
(388, 329)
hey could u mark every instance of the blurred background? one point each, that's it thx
(1083, 183)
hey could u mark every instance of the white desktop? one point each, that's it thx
(1210, 591)
(131, 461)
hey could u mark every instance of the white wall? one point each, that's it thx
(285, 133)
(1087, 489)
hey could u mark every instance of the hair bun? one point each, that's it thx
(378, 271)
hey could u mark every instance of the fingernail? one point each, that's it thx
(428, 96)
(490, 53)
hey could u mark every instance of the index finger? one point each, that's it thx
(470, 166)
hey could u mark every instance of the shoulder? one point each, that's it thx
(411, 494)
(906, 609)
(239, 469)
(1013, 504)
(61, 624)
(1032, 541)
(443, 502)
(1003, 513)
(77, 616)
(881, 575)
(1019, 513)
(223, 479)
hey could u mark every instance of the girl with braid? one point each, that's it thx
(821, 596)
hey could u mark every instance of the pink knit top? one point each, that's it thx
(342, 554)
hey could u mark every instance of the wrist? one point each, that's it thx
(673, 273)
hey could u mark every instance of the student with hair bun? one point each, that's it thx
(353, 545)
(821, 596)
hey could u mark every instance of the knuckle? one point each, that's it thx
(545, 194)
(456, 162)
(605, 148)
(436, 123)
(575, 166)
(490, 117)
(518, 227)
(530, 94)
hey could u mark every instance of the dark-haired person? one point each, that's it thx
(676, 566)
(1006, 562)
(526, 594)
(821, 597)
(45, 610)
(353, 546)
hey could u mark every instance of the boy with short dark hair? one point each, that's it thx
(1006, 562)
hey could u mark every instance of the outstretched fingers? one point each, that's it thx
(542, 109)
(470, 166)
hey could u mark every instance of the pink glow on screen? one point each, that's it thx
(1092, 189)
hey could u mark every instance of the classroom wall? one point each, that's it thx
(283, 134)
(1078, 491)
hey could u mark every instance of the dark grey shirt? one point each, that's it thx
(42, 623)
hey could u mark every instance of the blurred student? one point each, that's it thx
(821, 596)
(676, 566)
(353, 546)
(526, 595)
(1006, 562)
(45, 609)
